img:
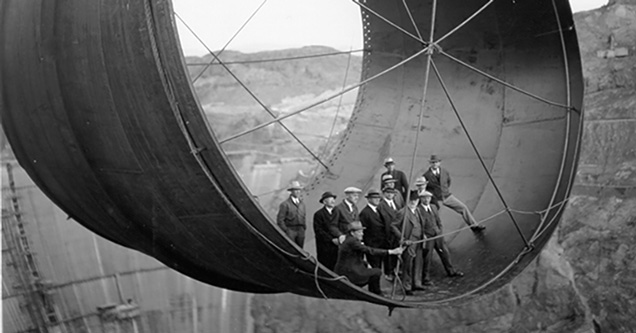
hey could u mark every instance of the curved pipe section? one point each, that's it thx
(99, 110)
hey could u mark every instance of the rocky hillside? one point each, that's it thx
(584, 281)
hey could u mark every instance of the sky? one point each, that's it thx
(280, 24)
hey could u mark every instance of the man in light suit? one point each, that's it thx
(328, 236)
(439, 182)
(347, 209)
(432, 227)
(409, 219)
(291, 215)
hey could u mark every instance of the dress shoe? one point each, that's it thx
(456, 274)
(477, 228)
(416, 288)
(408, 293)
(427, 283)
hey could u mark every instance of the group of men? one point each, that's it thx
(361, 245)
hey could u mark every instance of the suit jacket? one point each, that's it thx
(388, 215)
(413, 221)
(431, 223)
(401, 184)
(326, 225)
(290, 215)
(439, 186)
(351, 260)
(376, 233)
(346, 216)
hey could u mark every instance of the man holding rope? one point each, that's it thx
(410, 220)
(432, 227)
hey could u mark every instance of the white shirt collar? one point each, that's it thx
(374, 208)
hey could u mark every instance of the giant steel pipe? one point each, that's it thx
(98, 107)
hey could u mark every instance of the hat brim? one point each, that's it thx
(329, 196)
(294, 188)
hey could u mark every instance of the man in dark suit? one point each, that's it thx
(396, 197)
(328, 236)
(401, 182)
(439, 182)
(291, 215)
(347, 209)
(432, 227)
(388, 208)
(376, 234)
(351, 259)
(408, 223)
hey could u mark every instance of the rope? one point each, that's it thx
(481, 160)
(458, 230)
(226, 44)
(326, 99)
(212, 63)
(251, 93)
(427, 71)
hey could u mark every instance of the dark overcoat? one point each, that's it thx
(351, 261)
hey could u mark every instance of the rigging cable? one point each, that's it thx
(326, 99)
(335, 118)
(309, 56)
(481, 160)
(228, 42)
(251, 93)
(427, 71)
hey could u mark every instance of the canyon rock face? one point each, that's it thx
(584, 280)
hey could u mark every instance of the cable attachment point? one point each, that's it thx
(433, 48)
(197, 150)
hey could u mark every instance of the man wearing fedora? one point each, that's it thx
(389, 182)
(388, 209)
(347, 209)
(439, 182)
(401, 182)
(432, 227)
(328, 236)
(351, 261)
(408, 226)
(377, 234)
(291, 215)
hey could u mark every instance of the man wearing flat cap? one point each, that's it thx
(291, 215)
(328, 236)
(401, 183)
(351, 261)
(347, 209)
(439, 182)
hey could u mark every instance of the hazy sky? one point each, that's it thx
(280, 23)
